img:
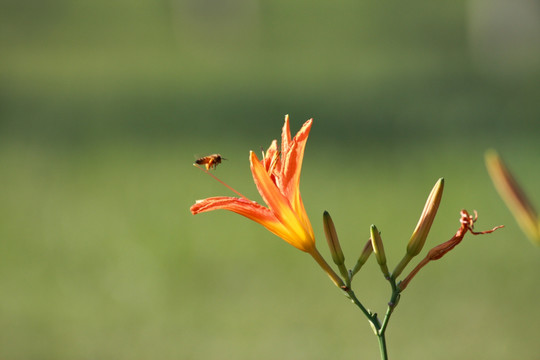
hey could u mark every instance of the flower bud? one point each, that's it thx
(366, 252)
(419, 236)
(420, 233)
(513, 196)
(332, 239)
(333, 244)
(378, 249)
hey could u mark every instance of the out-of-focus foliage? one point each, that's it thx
(104, 106)
(74, 69)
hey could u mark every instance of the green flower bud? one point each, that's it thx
(420, 233)
(378, 249)
(366, 252)
(332, 239)
(333, 244)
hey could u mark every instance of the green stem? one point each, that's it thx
(327, 269)
(391, 304)
(375, 324)
(378, 328)
(371, 317)
(382, 346)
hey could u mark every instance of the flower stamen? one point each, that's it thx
(273, 162)
(222, 182)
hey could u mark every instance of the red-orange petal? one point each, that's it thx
(292, 160)
(292, 166)
(252, 211)
(244, 207)
(269, 155)
(280, 206)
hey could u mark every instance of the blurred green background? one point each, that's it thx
(105, 105)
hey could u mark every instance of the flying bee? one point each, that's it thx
(210, 161)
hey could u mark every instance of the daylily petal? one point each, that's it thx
(292, 162)
(270, 193)
(299, 209)
(247, 208)
(269, 155)
(285, 136)
(291, 172)
(241, 206)
(280, 205)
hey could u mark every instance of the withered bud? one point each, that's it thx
(467, 223)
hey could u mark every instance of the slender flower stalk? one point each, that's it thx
(514, 196)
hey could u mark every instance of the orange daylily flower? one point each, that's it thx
(277, 177)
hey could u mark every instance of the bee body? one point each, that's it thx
(210, 161)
